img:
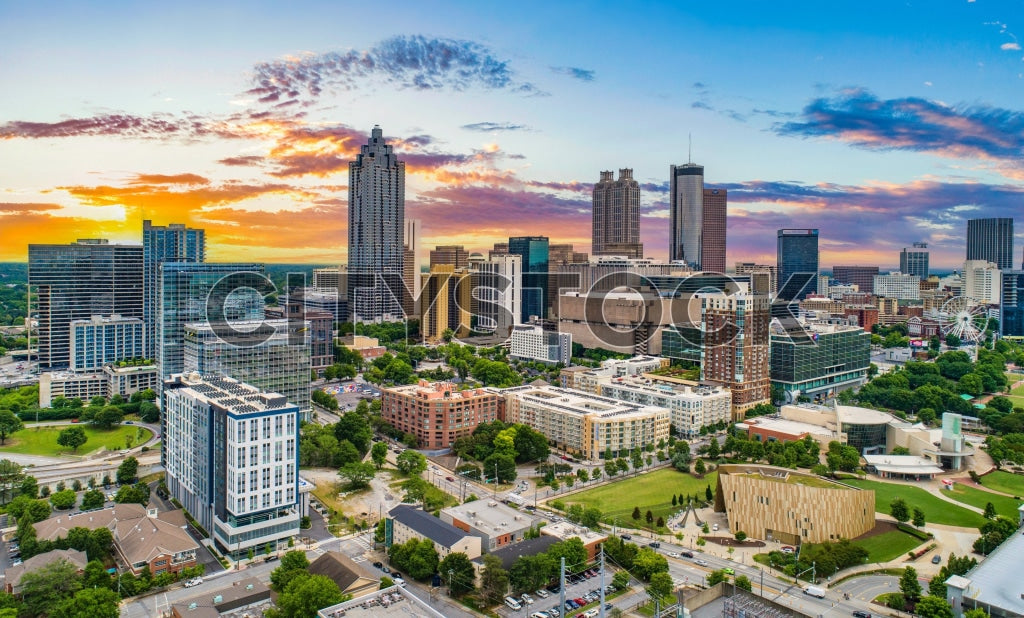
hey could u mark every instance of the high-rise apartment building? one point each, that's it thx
(231, 452)
(328, 279)
(686, 213)
(456, 255)
(1011, 303)
(376, 229)
(533, 250)
(160, 243)
(446, 302)
(411, 276)
(499, 293)
(102, 340)
(531, 342)
(616, 215)
(861, 276)
(764, 278)
(797, 259)
(202, 292)
(271, 355)
(438, 413)
(75, 282)
(899, 286)
(712, 242)
(915, 261)
(982, 282)
(991, 240)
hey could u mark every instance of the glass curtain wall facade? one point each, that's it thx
(821, 364)
(171, 243)
(533, 250)
(797, 254)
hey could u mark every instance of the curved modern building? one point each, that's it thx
(778, 504)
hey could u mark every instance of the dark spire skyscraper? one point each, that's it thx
(991, 240)
(616, 215)
(686, 212)
(376, 227)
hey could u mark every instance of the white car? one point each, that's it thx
(673, 554)
(542, 593)
(195, 581)
(527, 599)
(399, 581)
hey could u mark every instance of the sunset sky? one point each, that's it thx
(880, 123)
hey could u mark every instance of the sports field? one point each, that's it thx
(653, 491)
(935, 509)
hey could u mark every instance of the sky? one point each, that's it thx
(881, 124)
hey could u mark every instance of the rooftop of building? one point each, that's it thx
(566, 530)
(674, 388)
(236, 396)
(527, 547)
(490, 516)
(426, 525)
(341, 570)
(438, 390)
(997, 581)
(107, 319)
(786, 426)
(863, 416)
(781, 475)
(392, 601)
(242, 593)
(14, 573)
(902, 464)
(577, 402)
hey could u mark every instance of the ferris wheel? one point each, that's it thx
(965, 318)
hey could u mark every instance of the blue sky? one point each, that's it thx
(880, 123)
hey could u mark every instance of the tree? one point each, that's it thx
(149, 412)
(292, 563)
(107, 417)
(741, 536)
(137, 493)
(63, 500)
(37, 510)
(648, 562)
(502, 464)
(96, 576)
(411, 462)
(681, 456)
(909, 586)
(11, 476)
(92, 500)
(708, 494)
(127, 471)
(636, 513)
(899, 511)
(494, 579)
(716, 577)
(9, 423)
(714, 450)
(933, 607)
(649, 517)
(379, 454)
(416, 557)
(357, 474)
(72, 438)
(305, 595)
(743, 583)
(583, 475)
(918, 519)
(91, 602)
(990, 511)
(29, 487)
(458, 571)
(620, 580)
(698, 468)
(46, 587)
(660, 586)
(354, 427)
(385, 582)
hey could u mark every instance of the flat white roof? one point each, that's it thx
(997, 581)
(902, 464)
(788, 426)
(863, 416)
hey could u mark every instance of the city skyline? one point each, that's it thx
(244, 125)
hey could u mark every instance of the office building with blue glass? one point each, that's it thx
(534, 252)
(160, 243)
(797, 255)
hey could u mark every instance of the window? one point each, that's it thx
(278, 451)
(254, 431)
(277, 475)
(291, 426)
(252, 502)
(240, 433)
(277, 497)
(266, 478)
(266, 499)
(254, 456)
(254, 476)
(241, 484)
(266, 453)
(278, 426)
(240, 457)
(291, 449)
(266, 428)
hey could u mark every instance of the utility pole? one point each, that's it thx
(451, 575)
(561, 585)
(602, 582)
(495, 479)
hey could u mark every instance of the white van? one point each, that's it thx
(815, 591)
(513, 604)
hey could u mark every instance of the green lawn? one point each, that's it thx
(1006, 482)
(1005, 506)
(43, 440)
(888, 545)
(936, 510)
(652, 491)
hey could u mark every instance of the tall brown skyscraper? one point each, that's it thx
(456, 255)
(712, 248)
(616, 215)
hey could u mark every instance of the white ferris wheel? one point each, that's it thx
(965, 318)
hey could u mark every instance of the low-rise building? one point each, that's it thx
(13, 574)
(898, 285)
(819, 359)
(994, 586)
(777, 504)
(127, 379)
(510, 553)
(777, 429)
(584, 423)
(406, 521)
(495, 523)
(142, 538)
(368, 347)
(532, 342)
(438, 413)
(693, 405)
(124, 380)
(340, 569)
(248, 594)
(565, 530)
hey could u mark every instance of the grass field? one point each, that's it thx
(652, 491)
(1006, 482)
(43, 440)
(936, 510)
(1005, 506)
(888, 545)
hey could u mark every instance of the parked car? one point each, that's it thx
(526, 599)
(513, 604)
(715, 527)
(271, 558)
(542, 593)
(378, 565)
(626, 537)
(399, 581)
(396, 575)
(702, 563)
(385, 569)
(936, 559)
(786, 549)
(195, 581)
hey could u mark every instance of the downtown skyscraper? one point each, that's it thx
(991, 240)
(171, 243)
(376, 226)
(698, 219)
(712, 241)
(616, 216)
(797, 255)
(75, 282)
(915, 261)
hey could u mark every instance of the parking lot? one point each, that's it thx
(577, 587)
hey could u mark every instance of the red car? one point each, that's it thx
(581, 601)
(74, 420)
(449, 479)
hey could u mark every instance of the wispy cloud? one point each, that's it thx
(491, 127)
(586, 75)
(1014, 46)
(160, 126)
(242, 161)
(415, 62)
(917, 124)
